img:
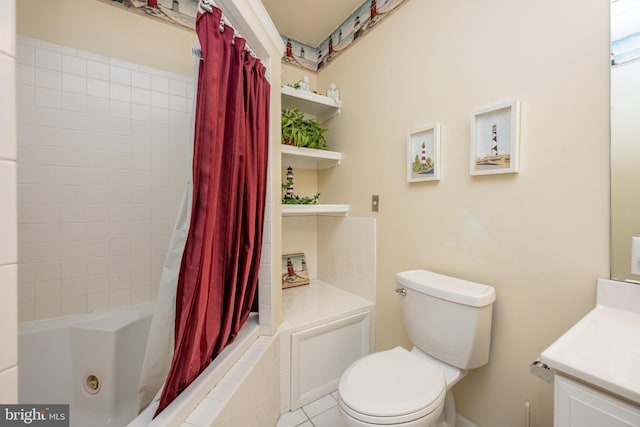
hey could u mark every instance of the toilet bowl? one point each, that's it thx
(449, 322)
(405, 390)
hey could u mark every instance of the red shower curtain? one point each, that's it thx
(219, 270)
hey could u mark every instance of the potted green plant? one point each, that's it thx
(301, 132)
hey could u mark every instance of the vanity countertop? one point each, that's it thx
(603, 348)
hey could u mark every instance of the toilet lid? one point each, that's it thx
(392, 383)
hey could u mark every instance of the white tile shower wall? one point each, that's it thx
(300, 234)
(347, 254)
(104, 155)
(8, 206)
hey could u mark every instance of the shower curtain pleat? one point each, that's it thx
(219, 270)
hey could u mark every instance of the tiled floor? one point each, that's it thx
(321, 413)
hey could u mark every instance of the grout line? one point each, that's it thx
(323, 412)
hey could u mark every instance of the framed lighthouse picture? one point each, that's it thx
(495, 134)
(423, 154)
(294, 270)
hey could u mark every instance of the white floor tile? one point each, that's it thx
(330, 418)
(306, 424)
(292, 419)
(321, 405)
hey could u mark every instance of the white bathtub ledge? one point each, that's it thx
(209, 401)
(182, 407)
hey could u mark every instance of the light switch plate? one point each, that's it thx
(375, 203)
(635, 255)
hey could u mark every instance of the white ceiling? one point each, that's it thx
(309, 21)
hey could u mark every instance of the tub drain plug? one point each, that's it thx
(92, 384)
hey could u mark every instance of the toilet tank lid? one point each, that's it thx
(447, 288)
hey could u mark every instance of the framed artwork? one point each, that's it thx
(423, 154)
(495, 138)
(294, 270)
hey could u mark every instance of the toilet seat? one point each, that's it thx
(392, 387)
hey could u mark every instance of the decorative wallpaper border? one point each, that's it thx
(182, 13)
(369, 14)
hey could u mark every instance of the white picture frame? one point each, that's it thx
(495, 139)
(423, 154)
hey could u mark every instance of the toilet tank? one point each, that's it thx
(448, 318)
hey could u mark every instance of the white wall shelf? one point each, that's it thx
(296, 210)
(309, 158)
(319, 106)
(322, 108)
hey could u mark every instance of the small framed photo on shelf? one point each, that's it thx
(423, 154)
(495, 134)
(294, 270)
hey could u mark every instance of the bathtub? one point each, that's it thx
(93, 361)
(187, 401)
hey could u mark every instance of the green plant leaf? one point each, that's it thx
(301, 132)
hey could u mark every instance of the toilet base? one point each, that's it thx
(447, 418)
(349, 421)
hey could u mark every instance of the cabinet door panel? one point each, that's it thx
(577, 405)
(320, 355)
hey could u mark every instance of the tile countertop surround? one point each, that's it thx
(317, 303)
(603, 348)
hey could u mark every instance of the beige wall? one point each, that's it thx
(540, 237)
(291, 75)
(100, 27)
(625, 173)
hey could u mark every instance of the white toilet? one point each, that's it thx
(449, 324)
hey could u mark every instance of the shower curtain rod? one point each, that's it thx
(205, 6)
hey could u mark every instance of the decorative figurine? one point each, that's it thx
(304, 84)
(289, 197)
(333, 93)
(289, 192)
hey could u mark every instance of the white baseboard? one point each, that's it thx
(463, 422)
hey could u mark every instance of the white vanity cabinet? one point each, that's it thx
(578, 405)
(597, 363)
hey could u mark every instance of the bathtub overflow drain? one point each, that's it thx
(92, 384)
